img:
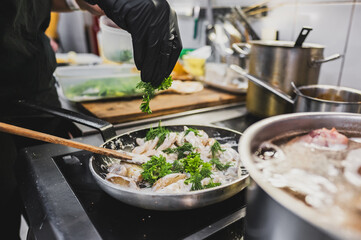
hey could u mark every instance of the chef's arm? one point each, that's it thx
(154, 28)
(71, 5)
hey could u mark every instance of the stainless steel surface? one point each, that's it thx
(311, 98)
(280, 125)
(262, 83)
(279, 63)
(162, 201)
(338, 99)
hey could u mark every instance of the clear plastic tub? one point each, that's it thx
(115, 43)
(89, 83)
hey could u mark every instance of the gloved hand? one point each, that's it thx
(155, 34)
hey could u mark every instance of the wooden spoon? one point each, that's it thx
(4, 127)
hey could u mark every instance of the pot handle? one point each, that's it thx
(105, 128)
(330, 58)
(262, 83)
(240, 50)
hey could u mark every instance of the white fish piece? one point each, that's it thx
(180, 138)
(127, 170)
(118, 169)
(122, 181)
(194, 140)
(148, 145)
(177, 187)
(168, 141)
(203, 137)
(140, 141)
(230, 155)
(167, 180)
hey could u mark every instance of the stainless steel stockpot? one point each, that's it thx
(279, 63)
(280, 215)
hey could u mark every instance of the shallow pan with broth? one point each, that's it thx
(313, 98)
(160, 201)
(300, 216)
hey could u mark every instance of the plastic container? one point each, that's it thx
(89, 83)
(115, 43)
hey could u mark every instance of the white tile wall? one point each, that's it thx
(330, 24)
(330, 20)
(351, 74)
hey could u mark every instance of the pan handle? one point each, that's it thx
(324, 60)
(238, 48)
(261, 83)
(105, 128)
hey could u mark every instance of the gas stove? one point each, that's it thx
(63, 201)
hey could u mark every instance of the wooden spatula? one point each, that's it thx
(4, 127)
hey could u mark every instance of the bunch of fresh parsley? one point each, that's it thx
(149, 92)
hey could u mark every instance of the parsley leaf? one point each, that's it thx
(182, 151)
(216, 147)
(220, 166)
(149, 92)
(196, 132)
(155, 168)
(212, 184)
(160, 132)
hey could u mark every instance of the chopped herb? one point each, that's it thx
(149, 92)
(220, 166)
(196, 132)
(160, 132)
(177, 166)
(216, 147)
(192, 163)
(155, 168)
(196, 181)
(212, 184)
(182, 151)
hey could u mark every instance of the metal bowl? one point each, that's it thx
(167, 202)
(284, 125)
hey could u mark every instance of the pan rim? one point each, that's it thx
(197, 192)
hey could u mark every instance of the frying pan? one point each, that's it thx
(149, 200)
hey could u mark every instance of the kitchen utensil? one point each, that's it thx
(8, 128)
(279, 63)
(247, 25)
(150, 200)
(302, 36)
(280, 212)
(314, 98)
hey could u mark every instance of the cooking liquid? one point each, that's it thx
(325, 179)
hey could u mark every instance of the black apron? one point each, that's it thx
(27, 63)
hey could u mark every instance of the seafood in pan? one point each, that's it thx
(177, 162)
(322, 168)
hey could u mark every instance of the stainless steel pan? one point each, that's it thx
(154, 201)
(313, 98)
(280, 213)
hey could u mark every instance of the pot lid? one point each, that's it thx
(285, 44)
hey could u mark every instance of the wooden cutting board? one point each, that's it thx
(125, 110)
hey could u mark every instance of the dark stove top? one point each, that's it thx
(64, 202)
(114, 219)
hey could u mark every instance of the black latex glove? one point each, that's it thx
(155, 34)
